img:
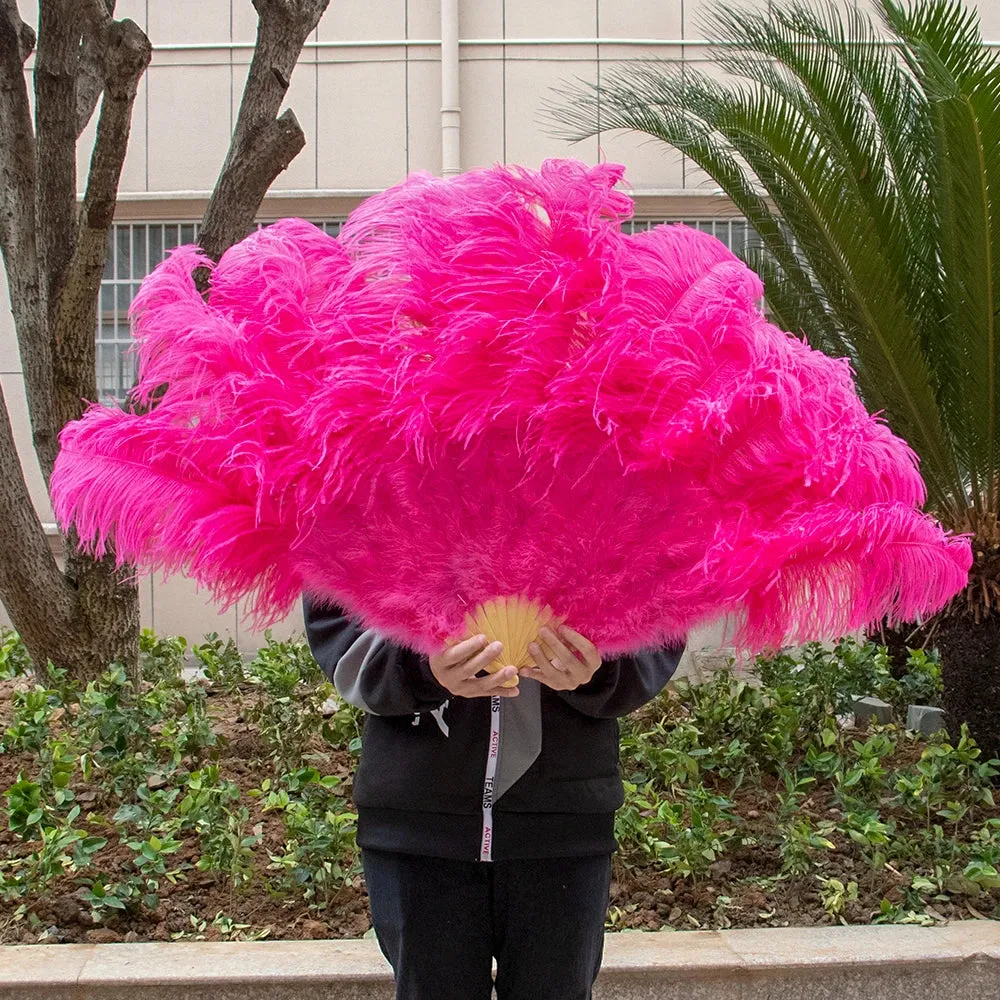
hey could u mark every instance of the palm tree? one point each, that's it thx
(866, 156)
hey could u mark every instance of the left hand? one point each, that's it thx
(563, 661)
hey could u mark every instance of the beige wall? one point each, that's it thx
(371, 113)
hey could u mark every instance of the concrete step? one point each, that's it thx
(836, 963)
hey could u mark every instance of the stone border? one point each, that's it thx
(834, 963)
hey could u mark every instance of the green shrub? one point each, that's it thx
(221, 661)
(161, 659)
(838, 809)
(14, 659)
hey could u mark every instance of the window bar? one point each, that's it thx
(114, 339)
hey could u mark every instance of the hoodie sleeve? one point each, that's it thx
(367, 669)
(622, 685)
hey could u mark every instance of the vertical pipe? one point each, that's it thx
(451, 130)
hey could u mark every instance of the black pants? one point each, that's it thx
(441, 922)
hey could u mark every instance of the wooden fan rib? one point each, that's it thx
(516, 622)
(515, 618)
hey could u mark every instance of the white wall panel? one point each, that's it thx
(189, 121)
(362, 124)
(529, 83)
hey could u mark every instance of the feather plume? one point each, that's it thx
(484, 388)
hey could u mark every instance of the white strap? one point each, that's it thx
(486, 846)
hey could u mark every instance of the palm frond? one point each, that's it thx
(780, 53)
(961, 81)
(865, 157)
(651, 96)
(843, 250)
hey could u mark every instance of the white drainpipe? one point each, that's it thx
(451, 126)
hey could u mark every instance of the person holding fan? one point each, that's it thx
(486, 812)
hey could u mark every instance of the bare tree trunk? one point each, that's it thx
(87, 615)
(263, 144)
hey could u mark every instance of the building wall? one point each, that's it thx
(367, 94)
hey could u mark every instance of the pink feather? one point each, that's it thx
(484, 387)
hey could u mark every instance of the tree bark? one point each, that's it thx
(970, 652)
(262, 145)
(127, 53)
(86, 616)
(107, 600)
(90, 78)
(31, 586)
(17, 230)
(56, 62)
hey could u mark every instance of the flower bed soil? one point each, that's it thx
(745, 887)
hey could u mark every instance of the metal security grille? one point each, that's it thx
(135, 248)
(734, 232)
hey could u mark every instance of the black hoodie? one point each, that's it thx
(481, 778)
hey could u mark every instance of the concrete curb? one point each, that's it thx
(839, 963)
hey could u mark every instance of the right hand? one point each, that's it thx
(455, 669)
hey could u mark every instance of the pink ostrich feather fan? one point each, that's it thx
(484, 387)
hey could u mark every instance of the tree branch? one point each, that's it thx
(59, 32)
(262, 145)
(90, 75)
(241, 187)
(17, 139)
(17, 228)
(25, 34)
(28, 570)
(127, 53)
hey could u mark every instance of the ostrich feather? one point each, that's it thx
(484, 387)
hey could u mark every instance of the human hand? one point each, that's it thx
(456, 666)
(559, 666)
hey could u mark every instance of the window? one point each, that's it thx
(734, 232)
(135, 248)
